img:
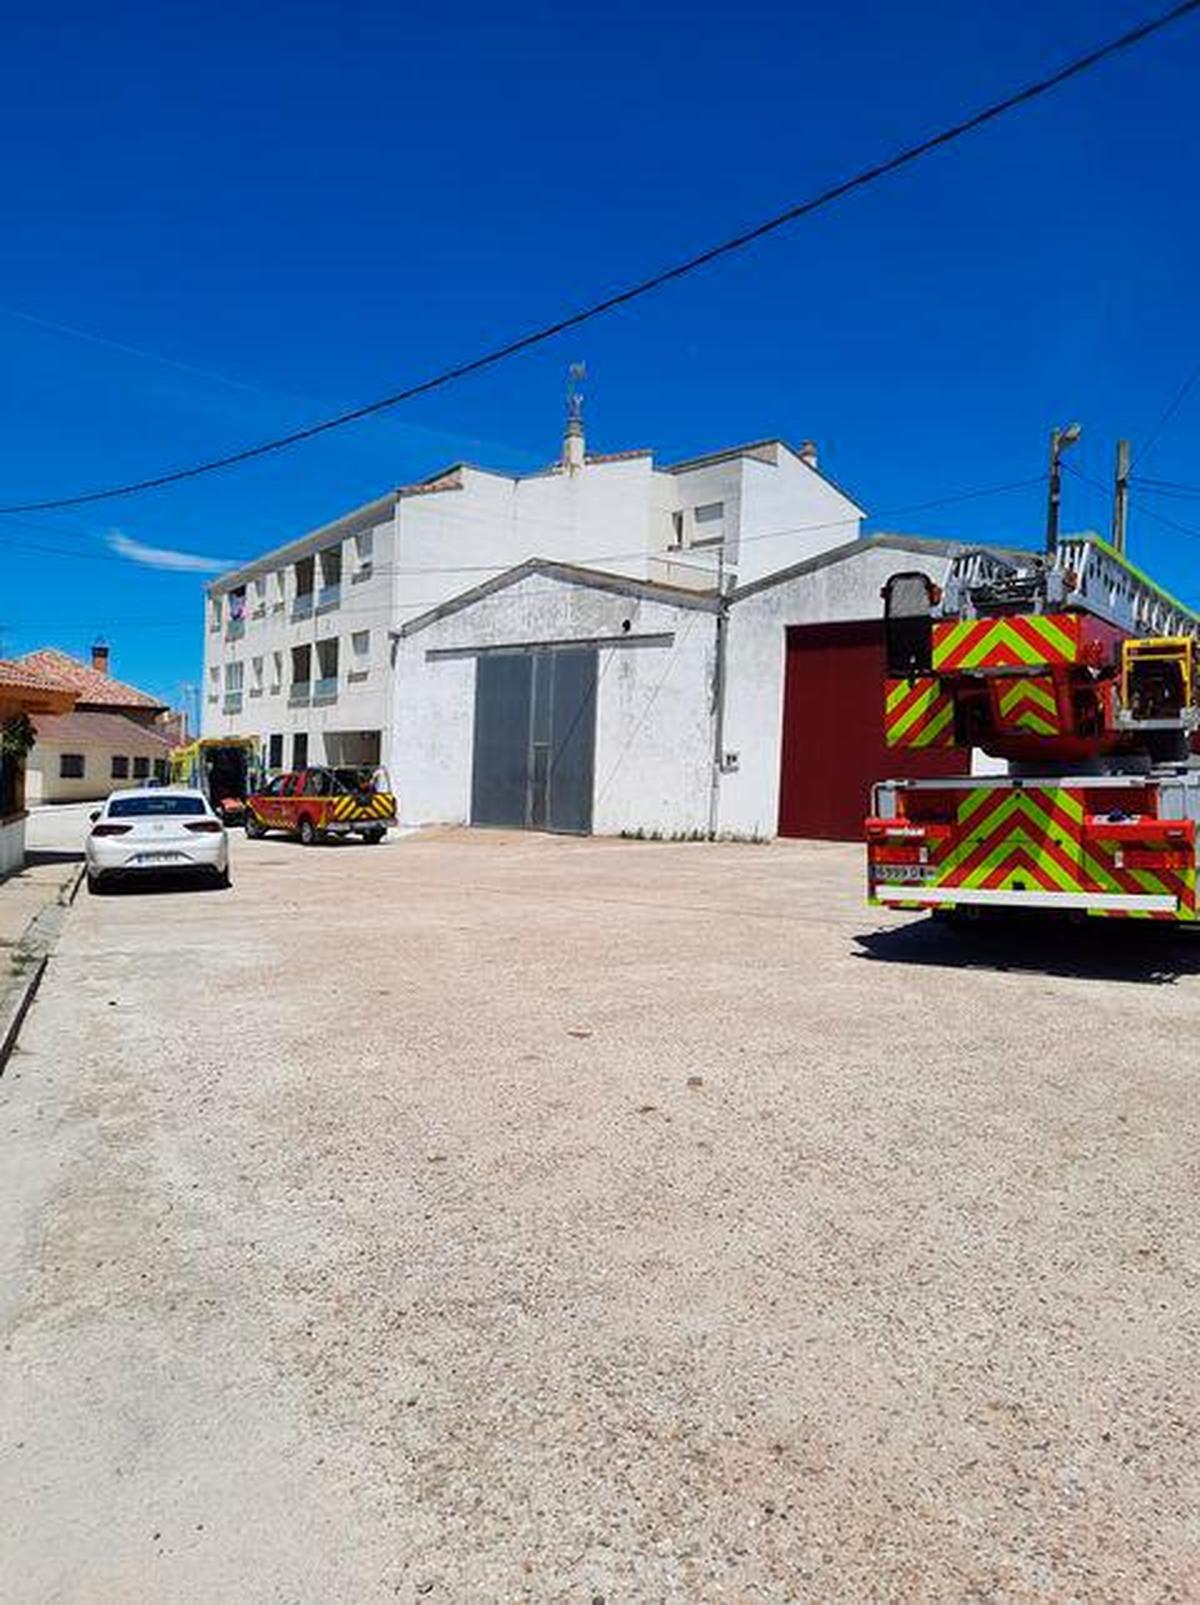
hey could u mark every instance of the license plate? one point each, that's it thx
(893, 873)
(157, 858)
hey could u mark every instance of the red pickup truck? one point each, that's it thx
(317, 803)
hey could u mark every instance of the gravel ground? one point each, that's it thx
(485, 1217)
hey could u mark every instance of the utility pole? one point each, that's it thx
(1121, 497)
(718, 699)
(1060, 440)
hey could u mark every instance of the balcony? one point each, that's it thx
(302, 607)
(299, 693)
(326, 690)
(329, 597)
(235, 629)
(256, 691)
(233, 702)
(356, 676)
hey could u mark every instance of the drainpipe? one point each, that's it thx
(718, 699)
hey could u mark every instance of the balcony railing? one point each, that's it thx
(256, 691)
(299, 691)
(302, 606)
(326, 690)
(328, 597)
(235, 629)
(233, 702)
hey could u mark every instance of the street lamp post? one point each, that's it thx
(1060, 440)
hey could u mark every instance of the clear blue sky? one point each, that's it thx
(302, 206)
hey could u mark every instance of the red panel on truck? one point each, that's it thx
(833, 734)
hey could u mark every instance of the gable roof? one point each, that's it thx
(89, 685)
(32, 690)
(568, 574)
(102, 730)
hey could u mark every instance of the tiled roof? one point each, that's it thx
(19, 675)
(102, 730)
(450, 480)
(89, 685)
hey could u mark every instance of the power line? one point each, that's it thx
(642, 287)
(1180, 397)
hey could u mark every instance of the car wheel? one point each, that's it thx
(223, 878)
(308, 832)
(373, 837)
(253, 829)
(96, 887)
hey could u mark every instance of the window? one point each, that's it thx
(364, 549)
(330, 577)
(276, 673)
(173, 804)
(214, 682)
(710, 524)
(141, 768)
(676, 529)
(236, 627)
(316, 783)
(278, 587)
(233, 686)
(214, 615)
(301, 686)
(160, 769)
(299, 749)
(256, 677)
(120, 768)
(260, 597)
(275, 746)
(304, 571)
(360, 655)
(326, 687)
(71, 766)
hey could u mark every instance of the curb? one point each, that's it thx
(38, 941)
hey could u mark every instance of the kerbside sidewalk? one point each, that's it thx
(33, 906)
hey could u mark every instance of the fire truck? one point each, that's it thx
(1079, 678)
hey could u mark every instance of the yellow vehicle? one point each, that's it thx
(223, 768)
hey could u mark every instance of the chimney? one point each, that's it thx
(574, 452)
(100, 657)
(808, 453)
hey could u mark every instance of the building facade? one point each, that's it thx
(556, 697)
(300, 645)
(25, 695)
(114, 735)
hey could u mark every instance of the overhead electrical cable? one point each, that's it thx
(737, 242)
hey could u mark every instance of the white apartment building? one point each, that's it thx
(300, 645)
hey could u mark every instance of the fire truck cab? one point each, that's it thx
(317, 803)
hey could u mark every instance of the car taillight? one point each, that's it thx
(111, 830)
(204, 827)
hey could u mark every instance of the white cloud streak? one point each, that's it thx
(163, 557)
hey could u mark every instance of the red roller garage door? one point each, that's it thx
(833, 732)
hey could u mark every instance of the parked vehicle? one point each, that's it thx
(223, 768)
(1083, 675)
(317, 803)
(154, 828)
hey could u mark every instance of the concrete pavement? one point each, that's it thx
(497, 1217)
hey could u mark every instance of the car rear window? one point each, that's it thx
(129, 807)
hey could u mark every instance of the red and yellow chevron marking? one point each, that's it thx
(918, 713)
(1028, 703)
(1024, 640)
(1033, 839)
(380, 805)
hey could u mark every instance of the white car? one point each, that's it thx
(151, 828)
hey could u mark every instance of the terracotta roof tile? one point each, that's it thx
(102, 730)
(89, 685)
(24, 678)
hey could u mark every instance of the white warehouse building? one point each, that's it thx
(609, 645)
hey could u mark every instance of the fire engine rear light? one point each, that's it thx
(205, 827)
(111, 830)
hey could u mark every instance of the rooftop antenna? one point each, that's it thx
(574, 451)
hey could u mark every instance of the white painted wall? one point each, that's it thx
(653, 724)
(12, 845)
(433, 544)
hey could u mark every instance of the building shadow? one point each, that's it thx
(1143, 952)
(47, 855)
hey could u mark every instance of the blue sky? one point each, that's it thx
(264, 213)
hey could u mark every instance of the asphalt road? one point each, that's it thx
(483, 1217)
